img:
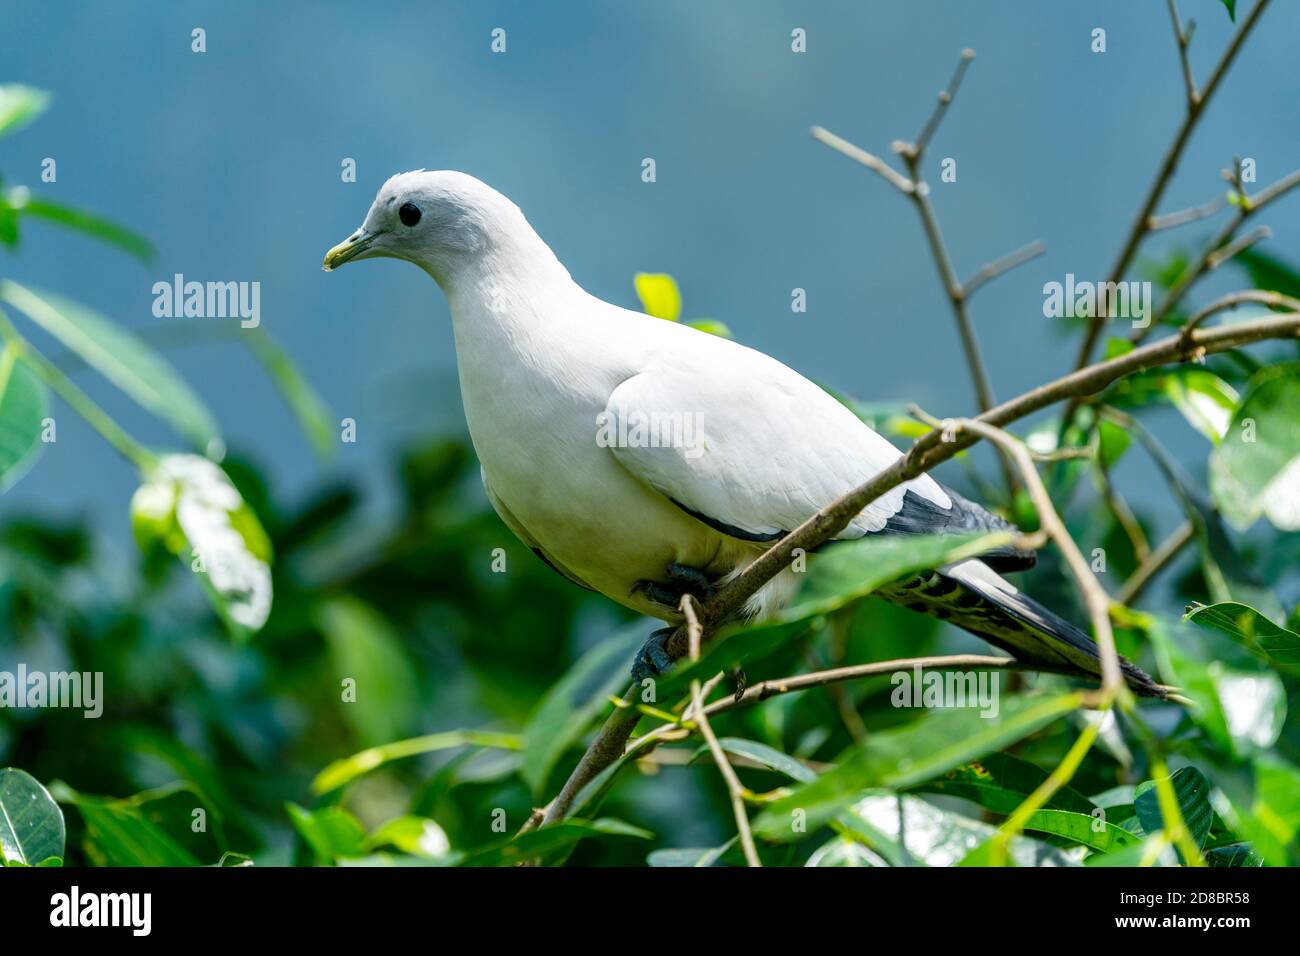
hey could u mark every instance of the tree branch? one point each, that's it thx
(926, 453)
(1139, 229)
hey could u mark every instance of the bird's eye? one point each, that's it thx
(409, 214)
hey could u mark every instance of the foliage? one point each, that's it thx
(369, 691)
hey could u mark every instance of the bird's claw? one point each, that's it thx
(652, 658)
(681, 580)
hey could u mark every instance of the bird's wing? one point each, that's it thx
(750, 446)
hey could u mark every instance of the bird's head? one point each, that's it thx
(440, 220)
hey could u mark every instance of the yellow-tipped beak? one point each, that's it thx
(349, 248)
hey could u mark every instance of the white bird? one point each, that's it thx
(568, 399)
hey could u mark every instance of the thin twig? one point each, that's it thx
(991, 270)
(1155, 562)
(1184, 38)
(1138, 231)
(1233, 299)
(870, 160)
(1182, 216)
(946, 97)
(734, 786)
(1219, 256)
(929, 451)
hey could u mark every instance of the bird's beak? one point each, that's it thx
(349, 248)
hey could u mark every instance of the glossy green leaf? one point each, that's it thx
(1277, 646)
(1269, 272)
(908, 755)
(24, 405)
(1231, 7)
(659, 295)
(123, 359)
(31, 823)
(342, 772)
(19, 105)
(1082, 828)
(689, 856)
(1256, 468)
(575, 701)
(1193, 792)
(769, 757)
(1206, 401)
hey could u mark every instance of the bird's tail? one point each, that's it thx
(972, 596)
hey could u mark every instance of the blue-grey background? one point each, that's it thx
(230, 161)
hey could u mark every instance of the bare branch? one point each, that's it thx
(929, 451)
(916, 149)
(1138, 230)
(991, 270)
(1233, 299)
(734, 786)
(1192, 214)
(1220, 256)
(1155, 563)
(1184, 39)
(870, 160)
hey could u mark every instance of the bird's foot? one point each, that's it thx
(652, 658)
(681, 580)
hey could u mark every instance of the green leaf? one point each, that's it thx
(365, 649)
(1193, 793)
(21, 200)
(547, 840)
(19, 105)
(187, 505)
(1237, 855)
(1274, 818)
(712, 326)
(121, 358)
(1256, 468)
(342, 772)
(418, 836)
(911, 754)
(314, 417)
(119, 834)
(689, 856)
(573, 703)
(1206, 401)
(24, 405)
(658, 294)
(31, 823)
(1276, 646)
(1081, 828)
(1112, 442)
(1268, 272)
(910, 831)
(331, 832)
(1231, 6)
(1000, 783)
(769, 757)
(836, 577)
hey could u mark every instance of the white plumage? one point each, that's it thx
(549, 373)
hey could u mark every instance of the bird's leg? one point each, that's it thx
(652, 658)
(681, 580)
(692, 581)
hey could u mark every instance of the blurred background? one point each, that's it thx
(230, 161)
